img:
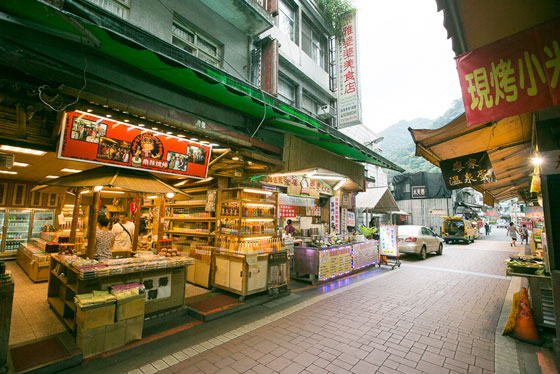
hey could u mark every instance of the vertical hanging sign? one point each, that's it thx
(335, 214)
(269, 67)
(349, 106)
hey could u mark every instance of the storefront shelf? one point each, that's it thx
(193, 233)
(248, 235)
(62, 279)
(187, 204)
(192, 218)
(71, 305)
(57, 304)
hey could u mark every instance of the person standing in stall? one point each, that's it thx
(123, 231)
(289, 229)
(104, 239)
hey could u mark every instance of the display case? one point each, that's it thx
(246, 234)
(41, 219)
(188, 223)
(67, 212)
(18, 227)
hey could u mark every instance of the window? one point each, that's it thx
(314, 44)
(192, 42)
(309, 104)
(286, 91)
(286, 19)
(120, 8)
(406, 187)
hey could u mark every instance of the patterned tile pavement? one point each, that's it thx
(439, 316)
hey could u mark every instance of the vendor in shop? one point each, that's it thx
(104, 239)
(123, 231)
(289, 229)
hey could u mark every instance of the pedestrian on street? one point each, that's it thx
(487, 228)
(524, 234)
(512, 232)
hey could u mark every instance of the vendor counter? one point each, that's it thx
(163, 278)
(331, 262)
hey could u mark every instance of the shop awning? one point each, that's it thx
(111, 177)
(116, 39)
(377, 200)
(508, 143)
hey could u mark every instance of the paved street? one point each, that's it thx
(433, 316)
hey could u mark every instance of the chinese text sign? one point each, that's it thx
(467, 171)
(514, 75)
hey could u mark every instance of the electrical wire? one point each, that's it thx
(264, 116)
(45, 86)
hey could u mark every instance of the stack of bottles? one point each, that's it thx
(256, 210)
(230, 209)
(252, 246)
(258, 227)
(229, 226)
(190, 213)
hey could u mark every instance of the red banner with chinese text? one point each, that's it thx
(90, 138)
(514, 75)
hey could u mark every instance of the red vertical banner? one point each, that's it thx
(269, 67)
(511, 76)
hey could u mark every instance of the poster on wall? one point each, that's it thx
(351, 219)
(334, 205)
(99, 140)
(467, 171)
(388, 245)
(157, 287)
(287, 211)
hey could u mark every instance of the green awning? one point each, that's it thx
(122, 41)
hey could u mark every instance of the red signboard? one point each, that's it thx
(269, 67)
(90, 138)
(514, 75)
(288, 211)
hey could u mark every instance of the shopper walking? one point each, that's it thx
(524, 234)
(487, 228)
(104, 239)
(512, 232)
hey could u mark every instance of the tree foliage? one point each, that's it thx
(333, 11)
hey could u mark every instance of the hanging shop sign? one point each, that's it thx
(349, 105)
(418, 192)
(299, 185)
(269, 67)
(94, 139)
(351, 219)
(287, 211)
(343, 220)
(388, 241)
(467, 171)
(335, 214)
(438, 212)
(313, 211)
(514, 75)
(295, 200)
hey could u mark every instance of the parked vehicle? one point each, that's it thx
(419, 240)
(502, 223)
(457, 229)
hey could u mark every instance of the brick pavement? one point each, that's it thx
(412, 320)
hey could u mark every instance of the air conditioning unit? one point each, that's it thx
(326, 112)
(6, 160)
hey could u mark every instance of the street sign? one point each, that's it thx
(418, 192)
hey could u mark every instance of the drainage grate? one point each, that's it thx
(547, 305)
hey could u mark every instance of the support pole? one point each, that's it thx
(93, 211)
(137, 216)
(75, 215)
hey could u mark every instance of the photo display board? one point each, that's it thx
(99, 140)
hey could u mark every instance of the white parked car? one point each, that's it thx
(502, 223)
(418, 240)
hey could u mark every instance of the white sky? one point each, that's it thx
(407, 66)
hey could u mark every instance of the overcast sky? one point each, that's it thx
(407, 66)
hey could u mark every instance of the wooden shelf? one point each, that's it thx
(70, 304)
(62, 279)
(250, 201)
(186, 204)
(249, 235)
(57, 304)
(192, 218)
(192, 233)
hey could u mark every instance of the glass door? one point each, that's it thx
(2, 214)
(41, 218)
(18, 228)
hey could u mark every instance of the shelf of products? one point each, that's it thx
(17, 228)
(188, 222)
(43, 220)
(68, 211)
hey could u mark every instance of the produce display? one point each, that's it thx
(526, 265)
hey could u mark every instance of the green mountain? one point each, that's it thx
(399, 147)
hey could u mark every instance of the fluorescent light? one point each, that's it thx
(90, 110)
(21, 164)
(194, 139)
(259, 238)
(312, 174)
(249, 162)
(86, 191)
(28, 151)
(52, 176)
(155, 128)
(327, 177)
(257, 191)
(97, 188)
(260, 205)
(69, 205)
(258, 219)
(204, 142)
(339, 184)
(71, 170)
(127, 121)
(104, 191)
(180, 183)
(169, 195)
(214, 145)
(235, 158)
(181, 136)
(218, 150)
(169, 132)
(285, 174)
(152, 197)
(7, 172)
(108, 116)
(141, 125)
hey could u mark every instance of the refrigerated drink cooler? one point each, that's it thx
(19, 225)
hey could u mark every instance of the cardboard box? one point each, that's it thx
(134, 328)
(93, 316)
(92, 341)
(115, 335)
(131, 307)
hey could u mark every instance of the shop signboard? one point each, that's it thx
(313, 211)
(295, 200)
(299, 185)
(513, 75)
(418, 192)
(467, 171)
(334, 262)
(351, 219)
(388, 245)
(349, 105)
(287, 211)
(343, 223)
(334, 205)
(158, 287)
(269, 67)
(90, 138)
(438, 212)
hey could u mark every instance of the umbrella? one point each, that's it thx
(107, 176)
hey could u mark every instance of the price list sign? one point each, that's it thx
(388, 241)
(335, 213)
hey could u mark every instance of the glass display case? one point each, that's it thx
(17, 228)
(2, 214)
(41, 218)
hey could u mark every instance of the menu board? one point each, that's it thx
(287, 211)
(99, 140)
(388, 241)
(334, 262)
(335, 214)
(364, 254)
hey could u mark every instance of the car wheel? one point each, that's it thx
(423, 253)
(440, 249)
